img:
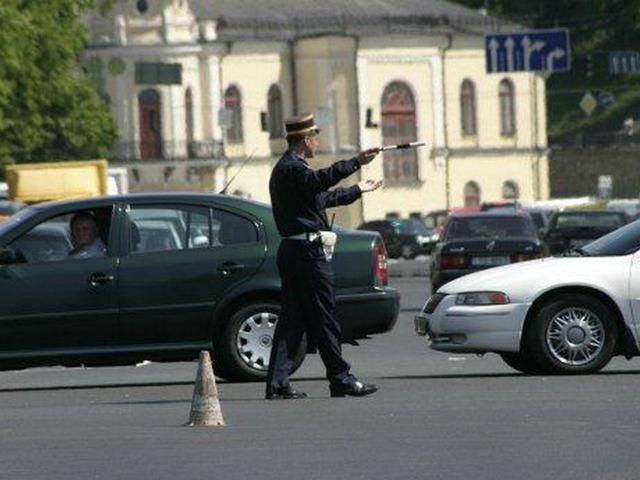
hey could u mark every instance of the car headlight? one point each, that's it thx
(482, 298)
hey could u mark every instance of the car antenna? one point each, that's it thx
(246, 160)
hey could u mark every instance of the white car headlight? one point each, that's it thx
(482, 298)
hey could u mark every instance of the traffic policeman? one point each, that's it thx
(299, 197)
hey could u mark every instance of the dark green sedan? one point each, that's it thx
(181, 273)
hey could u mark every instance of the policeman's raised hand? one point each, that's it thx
(369, 185)
(366, 156)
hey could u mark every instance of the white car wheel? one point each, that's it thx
(572, 333)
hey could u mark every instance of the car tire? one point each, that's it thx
(521, 363)
(573, 333)
(242, 353)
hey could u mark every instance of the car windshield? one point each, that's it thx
(623, 241)
(598, 220)
(490, 227)
(411, 227)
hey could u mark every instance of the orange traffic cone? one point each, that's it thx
(205, 406)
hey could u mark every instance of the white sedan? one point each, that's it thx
(567, 314)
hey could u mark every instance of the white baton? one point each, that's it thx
(402, 145)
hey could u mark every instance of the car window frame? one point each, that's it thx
(45, 215)
(125, 247)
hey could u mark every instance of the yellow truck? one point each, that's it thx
(40, 182)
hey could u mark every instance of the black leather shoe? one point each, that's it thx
(355, 389)
(286, 393)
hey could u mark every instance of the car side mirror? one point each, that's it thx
(8, 256)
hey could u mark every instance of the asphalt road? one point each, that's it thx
(436, 416)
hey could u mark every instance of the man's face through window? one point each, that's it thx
(84, 232)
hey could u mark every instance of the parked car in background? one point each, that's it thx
(403, 237)
(575, 228)
(538, 215)
(438, 218)
(567, 314)
(182, 273)
(476, 241)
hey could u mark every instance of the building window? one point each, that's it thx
(153, 73)
(188, 110)
(468, 107)
(233, 105)
(510, 190)
(149, 108)
(274, 105)
(471, 195)
(399, 126)
(507, 108)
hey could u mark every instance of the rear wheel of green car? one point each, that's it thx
(243, 351)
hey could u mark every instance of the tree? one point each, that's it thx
(48, 107)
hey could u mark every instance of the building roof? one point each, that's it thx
(287, 19)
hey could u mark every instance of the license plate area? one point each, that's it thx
(490, 261)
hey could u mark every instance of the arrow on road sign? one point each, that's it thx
(509, 44)
(493, 48)
(556, 54)
(529, 49)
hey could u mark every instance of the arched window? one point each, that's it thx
(468, 107)
(233, 105)
(507, 107)
(188, 111)
(510, 190)
(150, 124)
(399, 126)
(274, 105)
(471, 195)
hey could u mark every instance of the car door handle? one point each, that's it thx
(227, 269)
(98, 278)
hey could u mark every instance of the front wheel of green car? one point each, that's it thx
(244, 349)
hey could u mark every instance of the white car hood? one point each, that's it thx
(526, 280)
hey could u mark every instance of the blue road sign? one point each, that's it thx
(539, 50)
(624, 61)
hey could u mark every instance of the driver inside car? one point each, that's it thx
(84, 235)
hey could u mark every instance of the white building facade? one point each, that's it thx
(199, 90)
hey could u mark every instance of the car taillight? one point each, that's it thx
(452, 261)
(380, 272)
(523, 257)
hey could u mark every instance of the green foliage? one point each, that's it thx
(48, 107)
(597, 27)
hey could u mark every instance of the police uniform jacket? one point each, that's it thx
(300, 195)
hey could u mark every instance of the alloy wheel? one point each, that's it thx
(575, 336)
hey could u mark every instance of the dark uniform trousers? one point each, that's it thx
(308, 304)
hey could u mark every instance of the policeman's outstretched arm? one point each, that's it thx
(366, 156)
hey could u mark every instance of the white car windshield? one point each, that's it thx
(623, 241)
